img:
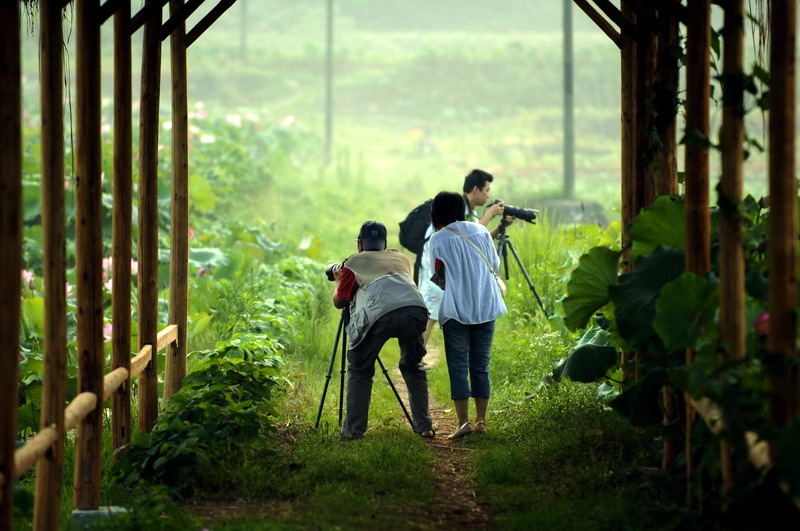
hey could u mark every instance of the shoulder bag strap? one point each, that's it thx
(475, 247)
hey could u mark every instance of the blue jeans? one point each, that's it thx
(467, 348)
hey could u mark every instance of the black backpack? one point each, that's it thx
(414, 227)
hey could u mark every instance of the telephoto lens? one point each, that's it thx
(330, 269)
(525, 214)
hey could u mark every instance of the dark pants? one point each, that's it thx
(407, 325)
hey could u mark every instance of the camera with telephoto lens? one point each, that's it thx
(331, 269)
(525, 214)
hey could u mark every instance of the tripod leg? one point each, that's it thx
(330, 370)
(400, 400)
(341, 372)
(527, 278)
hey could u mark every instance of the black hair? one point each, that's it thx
(446, 208)
(477, 178)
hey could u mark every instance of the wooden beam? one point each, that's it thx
(782, 216)
(600, 21)
(10, 245)
(148, 215)
(113, 380)
(175, 369)
(166, 337)
(731, 188)
(696, 204)
(122, 226)
(149, 9)
(616, 16)
(110, 8)
(179, 17)
(207, 21)
(666, 104)
(88, 252)
(48, 477)
(141, 360)
(81, 405)
(35, 448)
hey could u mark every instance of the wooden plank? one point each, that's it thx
(88, 251)
(36, 447)
(10, 244)
(696, 204)
(600, 21)
(81, 405)
(177, 19)
(140, 361)
(148, 216)
(175, 369)
(48, 477)
(149, 9)
(782, 216)
(628, 150)
(166, 337)
(122, 223)
(113, 380)
(207, 21)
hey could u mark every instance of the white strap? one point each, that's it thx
(475, 247)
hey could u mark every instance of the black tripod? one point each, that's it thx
(503, 245)
(341, 333)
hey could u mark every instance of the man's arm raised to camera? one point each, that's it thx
(495, 209)
(346, 287)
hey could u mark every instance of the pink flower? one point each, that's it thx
(27, 278)
(108, 285)
(134, 267)
(107, 329)
(762, 324)
(69, 290)
(108, 263)
(201, 272)
(191, 233)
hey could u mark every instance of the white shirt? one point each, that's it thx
(471, 295)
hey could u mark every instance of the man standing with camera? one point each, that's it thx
(376, 287)
(476, 193)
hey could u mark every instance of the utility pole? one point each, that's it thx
(569, 106)
(329, 85)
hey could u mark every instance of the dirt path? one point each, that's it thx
(455, 505)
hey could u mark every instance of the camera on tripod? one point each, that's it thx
(525, 214)
(331, 270)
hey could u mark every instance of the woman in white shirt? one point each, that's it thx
(471, 302)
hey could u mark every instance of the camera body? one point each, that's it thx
(525, 214)
(331, 270)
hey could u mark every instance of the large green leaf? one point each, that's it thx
(635, 296)
(639, 404)
(33, 310)
(207, 257)
(661, 224)
(684, 309)
(588, 363)
(587, 290)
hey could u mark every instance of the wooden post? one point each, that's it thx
(782, 216)
(630, 206)
(569, 105)
(10, 246)
(48, 475)
(122, 218)
(697, 213)
(148, 215)
(666, 93)
(329, 83)
(88, 251)
(645, 78)
(175, 368)
(731, 257)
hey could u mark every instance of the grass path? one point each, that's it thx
(455, 501)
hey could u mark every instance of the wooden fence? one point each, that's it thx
(85, 413)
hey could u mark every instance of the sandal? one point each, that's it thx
(430, 434)
(480, 426)
(462, 431)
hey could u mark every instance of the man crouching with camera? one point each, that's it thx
(376, 286)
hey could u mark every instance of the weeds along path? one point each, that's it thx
(456, 505)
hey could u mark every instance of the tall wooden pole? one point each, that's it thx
(630, 206)
(122, 221)
(179, 257)
(697, 213)
(329, 83)
(569, 105)
(10, 246)
(88, 252)
(731, 258)
(666, 92)
(148, 215)
(51, 69)
(782, 216)
(646, 48)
